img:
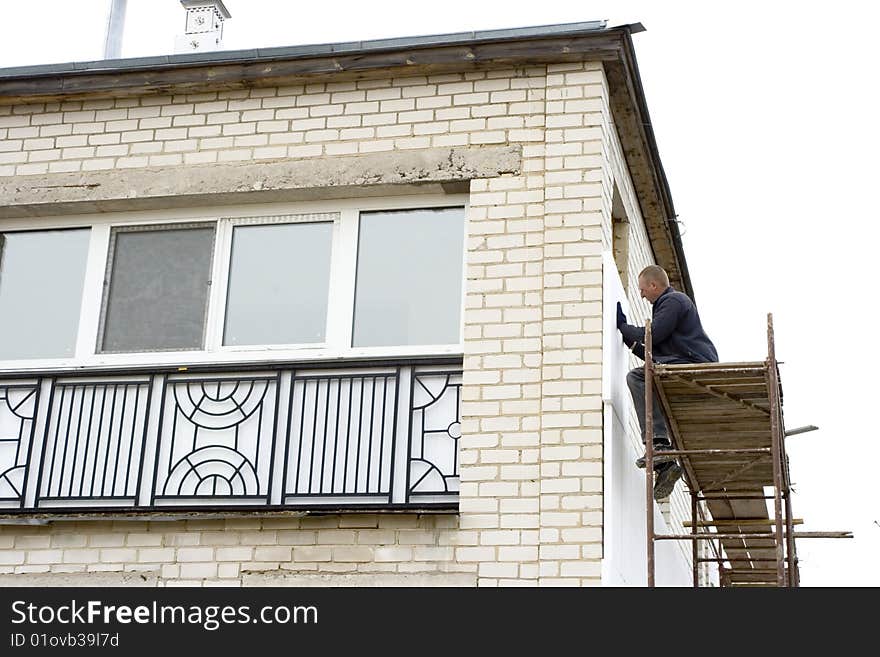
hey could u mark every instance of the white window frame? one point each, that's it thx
(109, 273)
(220, 279)
(343, 268)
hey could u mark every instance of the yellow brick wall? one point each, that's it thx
(531, 451)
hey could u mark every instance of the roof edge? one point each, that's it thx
(651, 139)
(78, 78)
(304, 51)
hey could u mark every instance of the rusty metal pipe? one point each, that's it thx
(745, 560)
(773, 384)
(694, 546)
(770, 535)
(704, 497)
(711, 452)
(649, 452)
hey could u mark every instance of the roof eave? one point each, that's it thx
(192, 73)
(659, 212)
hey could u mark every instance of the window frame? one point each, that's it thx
(352, 320)
(341, 299)
(108, 277)
(219, 297)
(24, 227)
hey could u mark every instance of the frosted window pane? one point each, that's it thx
(158, 290)
(279, 282)
(41, 284)
(409, 278)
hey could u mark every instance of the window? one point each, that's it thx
(620, 237)
(157, 292)
(373, 278)
(279, 278)
(409, 278)
(41, 285)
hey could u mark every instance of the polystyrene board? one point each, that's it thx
(625, 531)
(615, 355)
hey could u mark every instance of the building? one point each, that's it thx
(328, 314)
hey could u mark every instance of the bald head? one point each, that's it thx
(653, 281)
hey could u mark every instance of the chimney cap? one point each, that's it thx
(216, 4)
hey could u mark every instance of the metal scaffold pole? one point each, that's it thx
(726, 425)
(776, 447)
(695, 556)
(649, 452)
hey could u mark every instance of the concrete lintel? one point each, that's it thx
(394, 172)
(141, 579)
(292, 578)
(42, 518)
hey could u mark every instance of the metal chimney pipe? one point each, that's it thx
(115, 25)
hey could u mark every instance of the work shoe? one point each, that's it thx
(659, 457)
(665, 482)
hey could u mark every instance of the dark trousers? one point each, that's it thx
(635, 380)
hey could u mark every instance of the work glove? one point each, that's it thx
(621, 318)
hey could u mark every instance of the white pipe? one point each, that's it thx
(115, 25)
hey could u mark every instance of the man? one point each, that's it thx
(677, 337)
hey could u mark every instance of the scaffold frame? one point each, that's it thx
(726, 424)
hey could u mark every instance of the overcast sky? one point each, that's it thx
(766, 118)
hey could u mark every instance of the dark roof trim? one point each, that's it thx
(657, 163)
(302, 52)
(663, 182)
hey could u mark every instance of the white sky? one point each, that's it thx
(766, 119)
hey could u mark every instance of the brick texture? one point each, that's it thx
(531, 450)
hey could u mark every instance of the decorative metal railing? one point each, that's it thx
(346, 450)
(278, 438)
(93, 441)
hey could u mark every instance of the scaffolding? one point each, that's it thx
(726, 424)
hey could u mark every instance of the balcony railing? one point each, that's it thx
(282, 437)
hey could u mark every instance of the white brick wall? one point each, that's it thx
(198, 552)
(531, 471)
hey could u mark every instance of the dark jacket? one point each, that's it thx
(677, 335)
